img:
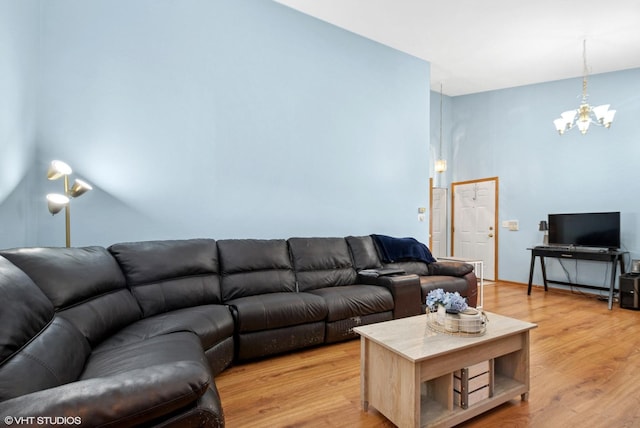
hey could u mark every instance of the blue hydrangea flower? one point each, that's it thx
(452, 302)
(435, 298)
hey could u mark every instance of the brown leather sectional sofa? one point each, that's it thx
(135, 334)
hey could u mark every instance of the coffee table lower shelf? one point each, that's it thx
(435, 414)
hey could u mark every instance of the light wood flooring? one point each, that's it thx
(585, 372)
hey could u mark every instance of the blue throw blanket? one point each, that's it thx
(402, 249)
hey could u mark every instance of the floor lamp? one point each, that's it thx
(57, 201)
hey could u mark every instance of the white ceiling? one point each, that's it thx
(481, 45)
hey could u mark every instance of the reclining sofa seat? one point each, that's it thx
(450, 276)
(323, 267)
(259, 286)
(65, 303)
(177, 286)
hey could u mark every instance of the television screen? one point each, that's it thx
(585, 229)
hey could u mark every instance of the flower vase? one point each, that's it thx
(441, 315)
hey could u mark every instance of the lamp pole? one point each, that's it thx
(67, 214)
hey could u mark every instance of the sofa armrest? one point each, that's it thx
(126, 399)
(458, 269)
(405, 289)
(472, 287)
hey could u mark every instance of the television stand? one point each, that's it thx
(613, 257)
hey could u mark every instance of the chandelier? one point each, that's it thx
(585, 115)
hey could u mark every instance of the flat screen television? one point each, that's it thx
(585, 230)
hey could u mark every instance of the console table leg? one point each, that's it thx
(613, 283)
(531, 267)
(544, 273)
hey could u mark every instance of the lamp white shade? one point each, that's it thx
(608, 118)
(79, 187)
(583, 126)
(58, 169)
(560, 125)
(600, 111)
(568, 116)
(56, 201)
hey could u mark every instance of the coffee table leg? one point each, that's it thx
(364, 374)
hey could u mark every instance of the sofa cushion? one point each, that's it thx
(254, 266)
(321, 262)
(211, 323)
(172, 274)
(177, 394)
(355, 300)
(25, 309)
(38, 350)
(54, 357)
(276, 310)
(84, 284)
(69, 275)
(164, 349)
(364, 253)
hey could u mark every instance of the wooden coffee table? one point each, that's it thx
(407, 370)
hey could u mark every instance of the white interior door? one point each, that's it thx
(475, 223)
(438, 217)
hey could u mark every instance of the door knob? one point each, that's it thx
(491, 235)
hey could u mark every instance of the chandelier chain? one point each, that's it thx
(585, 71)
(440, 149)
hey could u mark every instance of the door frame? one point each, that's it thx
(495, 217)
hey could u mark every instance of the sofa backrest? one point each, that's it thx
(171, 274)
(321, 262)
(364, 252)
(38, 349)
(255, 266)
(84, 284)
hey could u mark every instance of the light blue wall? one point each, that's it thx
(228, 119)
(510, 134)
(248, 119)
(18, 115)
